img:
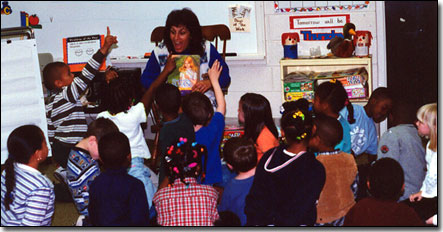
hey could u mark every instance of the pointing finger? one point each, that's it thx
(108, 31)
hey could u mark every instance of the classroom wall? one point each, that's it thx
(264, 76)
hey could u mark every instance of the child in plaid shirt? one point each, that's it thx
(185, 202)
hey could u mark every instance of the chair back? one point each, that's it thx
(210, 33)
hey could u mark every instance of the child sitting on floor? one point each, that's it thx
(241, 156)
(83, 167)
(174, 123)
(208, 126)
(127, 114)
(385, 183)
(116, 198)
(340, 189)
(254, 111)
(27, 197)
(288, 179)
(185, 202)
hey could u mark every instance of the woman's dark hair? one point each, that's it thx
(297, 125)
(184, 159)
(22, 144)
(240, 153)
(113, 149)
(198, 108)
(118, 96)
(386, 179)
(168, 98)
(188, 19)
(335, 95)
(257, 114)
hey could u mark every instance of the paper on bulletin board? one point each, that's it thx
(77, 51)
(239, 18)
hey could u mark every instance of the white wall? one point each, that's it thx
(263, 75)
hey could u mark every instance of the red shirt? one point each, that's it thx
(195, 205)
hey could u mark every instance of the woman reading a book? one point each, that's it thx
(183, 36)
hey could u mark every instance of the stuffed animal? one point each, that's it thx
(362, 42)
(289, 42)
(343, 47)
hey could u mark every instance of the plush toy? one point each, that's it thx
(362, 42)
(289, 42)
(343, 47)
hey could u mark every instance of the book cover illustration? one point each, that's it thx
(186, 73)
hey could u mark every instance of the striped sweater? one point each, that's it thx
(33, 198)
(64, 112)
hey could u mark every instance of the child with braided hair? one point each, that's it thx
(288, 179)
(330, 98)
(186, 202)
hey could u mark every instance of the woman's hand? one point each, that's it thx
(415, 197)
(202, 86)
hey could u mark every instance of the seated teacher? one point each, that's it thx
(183, 35)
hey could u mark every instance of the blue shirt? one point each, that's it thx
(234, 195)
(118, 199)
(152, 69)
(345, 143)
(363, 132)
(211, 136)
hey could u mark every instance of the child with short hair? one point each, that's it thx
(27, 197)
(186, 202)
(174, 123)
(288, 179)
(330, 98)
(64, 112)
(83, 167)
(425, 202)
(127, 114)
(363, 132)
(117, 198)
(385, 183)
(340, 188)
(402, 143)
(254, 111)
(208, 126)
(241, 156)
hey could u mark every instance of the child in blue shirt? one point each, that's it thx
(117, 198)
(208, 126)
(241, 156)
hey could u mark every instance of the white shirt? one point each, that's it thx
(129, 124)
(429, 186)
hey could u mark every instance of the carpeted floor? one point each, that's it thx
(65, 213)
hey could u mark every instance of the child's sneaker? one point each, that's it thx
(61, 175)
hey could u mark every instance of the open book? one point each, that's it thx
(186, 73)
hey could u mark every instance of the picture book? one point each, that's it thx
(186, 73)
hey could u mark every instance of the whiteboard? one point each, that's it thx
(132, 22)
(22, 100)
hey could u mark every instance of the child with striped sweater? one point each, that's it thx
(27, 195)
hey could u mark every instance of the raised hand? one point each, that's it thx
(109, 41)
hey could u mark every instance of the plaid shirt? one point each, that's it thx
(181, 205)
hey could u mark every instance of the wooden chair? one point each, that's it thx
(210, 33)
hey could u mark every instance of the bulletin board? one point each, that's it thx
(131, 21)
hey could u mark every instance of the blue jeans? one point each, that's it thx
(139, 170)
